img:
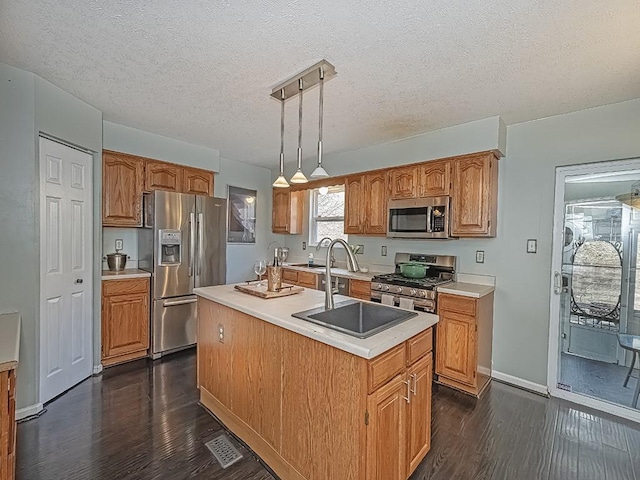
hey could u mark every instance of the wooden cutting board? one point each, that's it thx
(262, 292)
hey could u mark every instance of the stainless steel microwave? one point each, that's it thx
(419, 218)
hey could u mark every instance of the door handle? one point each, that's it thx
(200, 242)
(175, 303)
(79, 280)
(192, 241)
(557, 283)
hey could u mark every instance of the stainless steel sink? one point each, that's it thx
(358, 319)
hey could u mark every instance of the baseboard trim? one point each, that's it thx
(521, 383)
(29, 411)
(97, 369)
(484, 371)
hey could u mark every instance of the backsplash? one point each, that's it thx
(129, 238)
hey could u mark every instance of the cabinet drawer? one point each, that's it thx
(307, 279)
(360, 289)
(131, 285)
(455, 303)
(290, 276)
(419, 345)
(386, 366)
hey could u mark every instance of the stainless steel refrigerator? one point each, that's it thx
(183, 246)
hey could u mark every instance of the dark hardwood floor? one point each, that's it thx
(142, 421)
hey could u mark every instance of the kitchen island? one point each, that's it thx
(314, 403)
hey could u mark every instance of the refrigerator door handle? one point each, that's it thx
(174, 303)
(199, 260)
(192, 241)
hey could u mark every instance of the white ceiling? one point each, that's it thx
(202, 71)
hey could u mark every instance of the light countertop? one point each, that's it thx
(126, 273)
(474, 290)
(338, 272)
(9, 341)
(278, 312)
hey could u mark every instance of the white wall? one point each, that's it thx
(138, 142)
(240, 258)
(29, 105)
(526, 186)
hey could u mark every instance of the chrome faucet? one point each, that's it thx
(333, 259)
(352, 265)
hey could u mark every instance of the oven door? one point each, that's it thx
(419, 218)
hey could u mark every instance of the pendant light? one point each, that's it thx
(299, 177)
(320, 172)
(281, 182)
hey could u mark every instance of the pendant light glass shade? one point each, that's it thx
(320, 172)
(281, 182)
(299, 177)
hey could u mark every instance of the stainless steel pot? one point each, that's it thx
(116, 261)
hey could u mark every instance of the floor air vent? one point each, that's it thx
(224, 451)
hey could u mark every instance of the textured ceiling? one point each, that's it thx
(202, 71)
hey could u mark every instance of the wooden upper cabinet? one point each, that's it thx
(162, 176)
(434, 179)
(475, 190)
(354, 205)
(403, 182)
(197, 181)
(286, 215)
(375, 211)
(122, 185)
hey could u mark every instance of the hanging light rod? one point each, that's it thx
(310, 78)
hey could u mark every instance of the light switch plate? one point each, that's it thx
(304, 245)
(383, 251)
(479, 256)
(532, 245)
(119, 244)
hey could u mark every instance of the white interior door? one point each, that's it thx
(66, 330)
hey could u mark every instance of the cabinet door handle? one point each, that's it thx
(408, 397)
(414, 377)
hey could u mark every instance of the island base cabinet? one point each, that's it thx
(399, 415)
(7, 425)
(310, 410)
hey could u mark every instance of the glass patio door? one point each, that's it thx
(594, 276)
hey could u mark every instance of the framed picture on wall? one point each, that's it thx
(242, 215)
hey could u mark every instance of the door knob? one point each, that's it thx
(78, 280)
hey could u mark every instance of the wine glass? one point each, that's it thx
(260, 267)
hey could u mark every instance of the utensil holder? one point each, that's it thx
(274, 278)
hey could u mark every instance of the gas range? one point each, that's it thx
(421, 291)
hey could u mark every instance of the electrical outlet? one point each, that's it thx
(221, 333)
(383, 251)
(479, 256)
(304, 245)
(532, 245)
(119, 244)
(360, 249)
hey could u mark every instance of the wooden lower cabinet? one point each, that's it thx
(464, 342)
(300, 278)
(360, 289)
(8, 424)
(309, 410)
(125, 320)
